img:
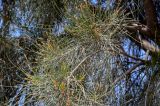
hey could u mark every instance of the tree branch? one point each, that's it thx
(151, 30)
(128, 72)
(151, 16)
(146, 45)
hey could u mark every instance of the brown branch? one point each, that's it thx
(146, 45)
(134, 27)
(151, 16)
(132, 57)
(128, 72)
(151, 30)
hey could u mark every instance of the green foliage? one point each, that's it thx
(66, 64)
(86, 65)
(85, 24)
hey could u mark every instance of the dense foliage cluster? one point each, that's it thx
(79, 52)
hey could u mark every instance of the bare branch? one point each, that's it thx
(128, 72)
(134, 27)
